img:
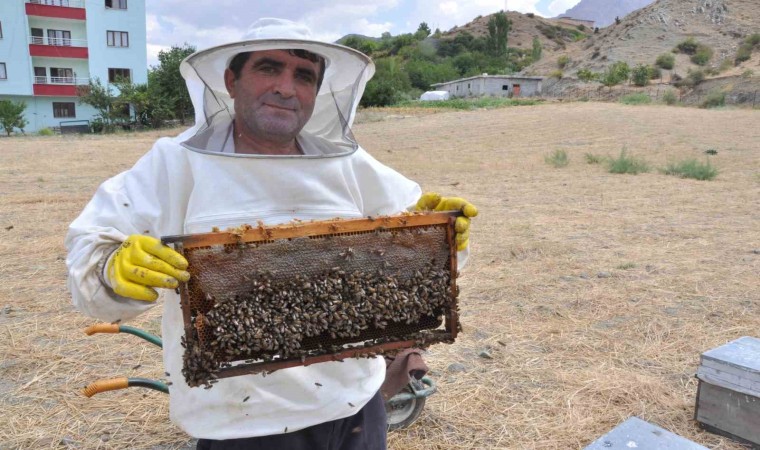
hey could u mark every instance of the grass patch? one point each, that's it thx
(594, 159)
(669, 97)
(691, 168)
(557, 159)
(469, 103)
(627, 164)
(714, 99)
(636, 99)
(626, 266)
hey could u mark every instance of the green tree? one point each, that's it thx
(615, 74)
(166, 82)
(641, 74)
(586, 75)
(423, 31)
(389, 84)
(101, 97)
(12, 116)
(537, 49)
(498, 31)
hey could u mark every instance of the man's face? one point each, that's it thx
(274, 95)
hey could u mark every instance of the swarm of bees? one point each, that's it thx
(281, 319)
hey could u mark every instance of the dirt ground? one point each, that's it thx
(594, 294)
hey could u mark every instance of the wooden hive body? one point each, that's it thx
(728, 397)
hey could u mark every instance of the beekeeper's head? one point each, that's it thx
(278, 82)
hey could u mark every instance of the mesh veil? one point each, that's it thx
(346, 74)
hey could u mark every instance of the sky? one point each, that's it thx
(205, 23)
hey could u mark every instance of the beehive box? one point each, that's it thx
(637, 433)
(266, 298)
(728, 396)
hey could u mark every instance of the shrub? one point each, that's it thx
(753, 40)
(692, 79)
(46, 132)
(702, 55)
(669, 97)
(557, 159)
(689, 46)
(743, 53)
(640, 75)
(581, 27)
(748, 73)
(691, 168)
(725, 65)
(586, 75)
(530, 15)
(666, 61)
(636, 99)
(627, 164)
(654, 73)
(556, 74)
(562, 61)
(594, 159)
(714, 99)
(615, 74)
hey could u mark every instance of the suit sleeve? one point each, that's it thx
(142, 200)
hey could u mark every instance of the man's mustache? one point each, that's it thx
(277, 100)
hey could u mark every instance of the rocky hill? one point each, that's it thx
(604, 12)
(658, 28)
(553, 35)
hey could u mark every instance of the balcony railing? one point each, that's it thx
(57, 42)
(63, 3)
(61, 80)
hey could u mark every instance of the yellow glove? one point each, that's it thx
(430, 201)
(142, 263)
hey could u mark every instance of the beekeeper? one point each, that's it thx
(271, 142)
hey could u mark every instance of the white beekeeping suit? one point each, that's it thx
(196, 181)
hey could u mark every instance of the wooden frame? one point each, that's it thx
(334, 227)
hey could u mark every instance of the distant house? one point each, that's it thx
(492, 85)
(567, 20)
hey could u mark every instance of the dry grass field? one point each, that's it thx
(594, 293)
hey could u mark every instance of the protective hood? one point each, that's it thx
(347, 72)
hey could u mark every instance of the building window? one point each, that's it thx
(1, 29)
(64, 109)
(37, 34)
(504, 87)
(117, 38)
(61, 75)
(116, 74)
(59, 37)
(40, 75)
(116, 4)
(3, 73)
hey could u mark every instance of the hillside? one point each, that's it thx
(658, 28)
(603, 12)
(524, 27)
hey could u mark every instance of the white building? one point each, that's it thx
(48, 47)
(492, 85)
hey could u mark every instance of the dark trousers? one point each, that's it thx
(365, 430)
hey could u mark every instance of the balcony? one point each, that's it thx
(61, 9)
(58, 47)
(58, 86)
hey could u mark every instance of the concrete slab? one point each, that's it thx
(635, 433)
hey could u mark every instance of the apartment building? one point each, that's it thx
(49, 47)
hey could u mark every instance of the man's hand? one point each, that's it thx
(142, 263)
(430, 201)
